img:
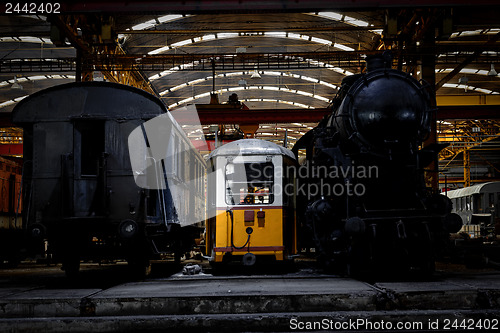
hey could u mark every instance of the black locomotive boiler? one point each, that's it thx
(79, 192)
(365, 200)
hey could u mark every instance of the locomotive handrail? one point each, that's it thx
(103, 178)
(229, 189)
(160, 192)
(30, 192)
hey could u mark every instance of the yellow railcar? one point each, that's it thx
(251, 202)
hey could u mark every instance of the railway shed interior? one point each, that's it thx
(285, 60)
(146, 248)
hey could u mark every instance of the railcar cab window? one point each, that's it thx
(249, 183)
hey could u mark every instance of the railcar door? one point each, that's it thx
(45, 193)
(89, 149)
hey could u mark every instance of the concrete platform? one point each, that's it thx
(248, 303)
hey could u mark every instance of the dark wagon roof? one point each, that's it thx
(101, 100)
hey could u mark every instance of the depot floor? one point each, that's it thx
(104, 299)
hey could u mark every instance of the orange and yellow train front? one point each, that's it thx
(252, 207)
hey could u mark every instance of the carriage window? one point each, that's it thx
(249, 183)
(176, 157)
(182, 167)
(492, 200)
(152, 203)
(467, 203)
(92, 146)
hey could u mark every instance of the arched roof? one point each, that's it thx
(26, 39)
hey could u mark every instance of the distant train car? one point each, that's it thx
(251, 203)
(79, 188)
(477, 205)
(11, 226)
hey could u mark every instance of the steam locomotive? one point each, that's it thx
(366, 205)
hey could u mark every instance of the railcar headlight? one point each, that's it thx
(128, 229)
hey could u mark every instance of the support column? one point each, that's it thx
(427, 70)
(96, 41)
(78, 72)
(83, 74)
(466, 168)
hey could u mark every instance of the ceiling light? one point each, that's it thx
(492, 71)
(463, 80)
(213, 128)
(16, 85)
(255, 75)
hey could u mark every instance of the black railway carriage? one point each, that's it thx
(79, 188)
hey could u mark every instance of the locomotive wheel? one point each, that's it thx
(71, 267)
(427, 268)
(179, 251)
(360, 259)
(12, 261)
(425, 257)
(140, 268)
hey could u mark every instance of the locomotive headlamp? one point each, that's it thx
(354, 226)
(37, 230)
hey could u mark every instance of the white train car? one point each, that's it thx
(477, 205)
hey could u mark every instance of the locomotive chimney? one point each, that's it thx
(378, 61)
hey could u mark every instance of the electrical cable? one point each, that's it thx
(232, 239)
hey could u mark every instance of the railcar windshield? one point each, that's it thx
(249, 183)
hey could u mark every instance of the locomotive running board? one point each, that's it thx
(407, 217)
